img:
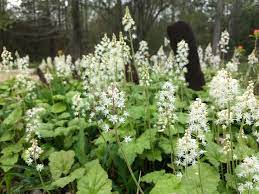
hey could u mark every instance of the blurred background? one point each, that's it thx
(42, 27)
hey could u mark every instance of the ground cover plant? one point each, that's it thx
(88, 130)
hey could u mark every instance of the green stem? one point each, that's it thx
(42, 182)
(172, 148)
(199, 167)
(231, 146)
(127, 162)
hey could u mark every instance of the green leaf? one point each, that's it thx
(7, 136)
(13, 117)
(136, 112)
(58, 108)
(241, 151)
(165, 144)
(168, 184)
(61, 163)
(133, 148)
(153, 176)
(80, 147)
(213, 153)
(209, 179)
(182, 117)
(95, 180)
(62, 182)
(153, 155)
(80, 123)
(12, 148)
(8, 160)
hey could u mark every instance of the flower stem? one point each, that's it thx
(127, 162)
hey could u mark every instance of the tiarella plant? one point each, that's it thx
(87, 130)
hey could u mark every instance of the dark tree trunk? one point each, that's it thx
(76, 33)
(217, 26)
(233, 23)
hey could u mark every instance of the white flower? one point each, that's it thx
(187, 150)
(159, 61)
(226, 144)
(111, 105)
(127, 139)
(201, 58)
(198, 119)
(231, 67)
(39, 167)
(142, 62)
(63, 65)
(22, 81)
(248, 172)
(7, 60)
(33, 153)
(208, 54)
(215, 61)
(224, 41)
(166, 42)
(246, 107)
(181, 59)
(224, 117)
(252, 59)
(127, 21)
(79, 105)
(166, 106)
(223, 88)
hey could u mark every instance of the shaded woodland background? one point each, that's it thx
(42, 27)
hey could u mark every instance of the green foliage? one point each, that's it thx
(58, 107)
(62, 182)
(138, 146)
(95, 181)
(61, 163)
(208, 175)
(13, 117)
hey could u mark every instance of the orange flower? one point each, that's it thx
(256, 33)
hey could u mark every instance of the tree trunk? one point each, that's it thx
(233, 23)
(76, 30)
(217, 26)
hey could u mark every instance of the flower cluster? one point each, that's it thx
(248, 172)
(63, 65)
(7, 60)
(33, 119)
(110, 106)
(181, 59)
(246, 108)
(22, 63)
(159, 61)
(26, 84)
(105, 65)
(252, 59)
(201, 58)
(215, 61)
(33, 153)
(208, 54)
(223, 88)
(128, 22)
(232, 66)
(80, 105)
(142, 62)
(166, 106)
(198, 119)
(187, 150)
(225, 117)
(224, 41)
(226, 145)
